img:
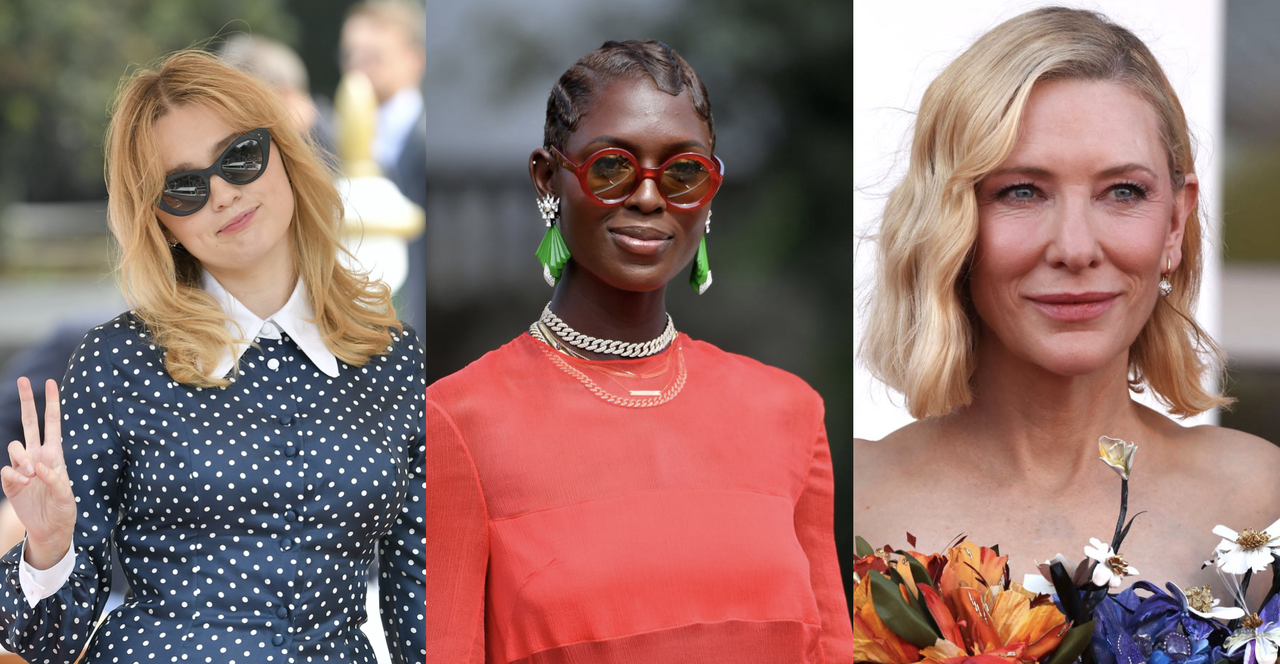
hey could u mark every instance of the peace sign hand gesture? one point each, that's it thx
(37, 484)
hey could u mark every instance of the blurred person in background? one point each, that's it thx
(604, 488)
(282, 69)
(385, 40)
(252, 359)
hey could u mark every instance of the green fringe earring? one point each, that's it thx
(553, 253)
(700, 276)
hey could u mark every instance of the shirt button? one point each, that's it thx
(287, 543)
(282, 612)
(291, 450)
(277, 640)
(291, 516)
(273, 364)
(286, 420)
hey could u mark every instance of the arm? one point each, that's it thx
(402, 558)
(457, 545)
(814, 529)
(57, 627)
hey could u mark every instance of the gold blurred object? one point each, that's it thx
(356, 108)
(380, 220)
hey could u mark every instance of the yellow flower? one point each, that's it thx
(1118, 454)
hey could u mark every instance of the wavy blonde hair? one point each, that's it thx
(354, 314)
(920, 339)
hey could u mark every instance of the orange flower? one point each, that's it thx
(972, 566)
(873, 641)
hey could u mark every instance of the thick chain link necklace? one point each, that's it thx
(606, 346)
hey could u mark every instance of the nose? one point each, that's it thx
(222, 194)
(646, 198)
(1073, 242)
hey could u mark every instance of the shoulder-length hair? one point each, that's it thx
(354, 314)
(920, 339)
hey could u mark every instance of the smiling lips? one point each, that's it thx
(1073, 307)
(238, 222)
(645, 240)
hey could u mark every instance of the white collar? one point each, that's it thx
(294, 318)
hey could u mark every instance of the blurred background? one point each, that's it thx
(779, 79)
(60, 64)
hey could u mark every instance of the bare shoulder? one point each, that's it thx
(1242, 466)
(884, 463)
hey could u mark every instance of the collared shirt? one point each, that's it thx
(395, 120)
(294, 318)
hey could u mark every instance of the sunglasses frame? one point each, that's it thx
(714, 168)
(262, 136)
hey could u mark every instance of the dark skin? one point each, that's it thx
(611, 289)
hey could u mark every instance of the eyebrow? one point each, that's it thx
(214, 152)
(1035, 171)
(614, 140)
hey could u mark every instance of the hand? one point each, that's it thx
(37, 484)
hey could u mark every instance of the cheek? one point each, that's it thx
(1005, 252)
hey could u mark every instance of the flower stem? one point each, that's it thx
(1124, 507)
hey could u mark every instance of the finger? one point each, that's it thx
(13, 481)
(30, 420)
(20, 459)
(53, 420)
(56, 480)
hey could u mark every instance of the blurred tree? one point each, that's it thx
(60, 63)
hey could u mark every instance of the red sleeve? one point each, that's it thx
(457, 545)
(816, 532)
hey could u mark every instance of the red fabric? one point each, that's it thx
(562, 528)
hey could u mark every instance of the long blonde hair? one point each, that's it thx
(354, 314)
(920, 339)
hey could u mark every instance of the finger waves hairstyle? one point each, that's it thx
(921, 333)
(354, 314)
(572, 95)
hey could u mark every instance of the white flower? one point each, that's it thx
(1263, 641)
(1111, 568)
(1118, 454)
(1248, 549)
(1200, 601)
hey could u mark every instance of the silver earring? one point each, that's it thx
(549, 207)
(1165, 287)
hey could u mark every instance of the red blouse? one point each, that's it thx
(563, 526)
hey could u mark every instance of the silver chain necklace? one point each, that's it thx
(577, 339)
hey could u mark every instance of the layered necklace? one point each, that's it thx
(557, 338)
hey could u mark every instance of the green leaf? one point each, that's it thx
(918, 572)
(861, 547)
(1074, 643)
(898, 615)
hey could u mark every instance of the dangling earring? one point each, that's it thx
(1165, 287)
(553, 253)
(700, 277)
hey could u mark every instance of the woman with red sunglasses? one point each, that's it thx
(604, 488)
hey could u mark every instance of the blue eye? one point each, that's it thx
(1129, 192)
(1018, 192)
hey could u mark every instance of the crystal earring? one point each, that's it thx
(700, 276)
(553, 253)
(1165, 287)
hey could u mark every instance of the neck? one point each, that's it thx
(263, 289)
(595, 308)
(1039, 428)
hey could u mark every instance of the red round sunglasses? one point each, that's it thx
(610, 176)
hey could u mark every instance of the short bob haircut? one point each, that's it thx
(354, 314)
(921, 336)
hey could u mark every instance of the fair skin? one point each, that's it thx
(384, 52)
(1075, 229)
(241, 235)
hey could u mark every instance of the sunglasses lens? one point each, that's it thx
(243, 161)
(185, 193)
(611, 177)
(685, 181)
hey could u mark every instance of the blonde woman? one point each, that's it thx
(1040, 259)
(247, 434)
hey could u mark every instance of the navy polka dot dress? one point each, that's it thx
(246, 517)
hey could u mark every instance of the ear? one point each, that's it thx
(1184, 203)
(542, 167)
